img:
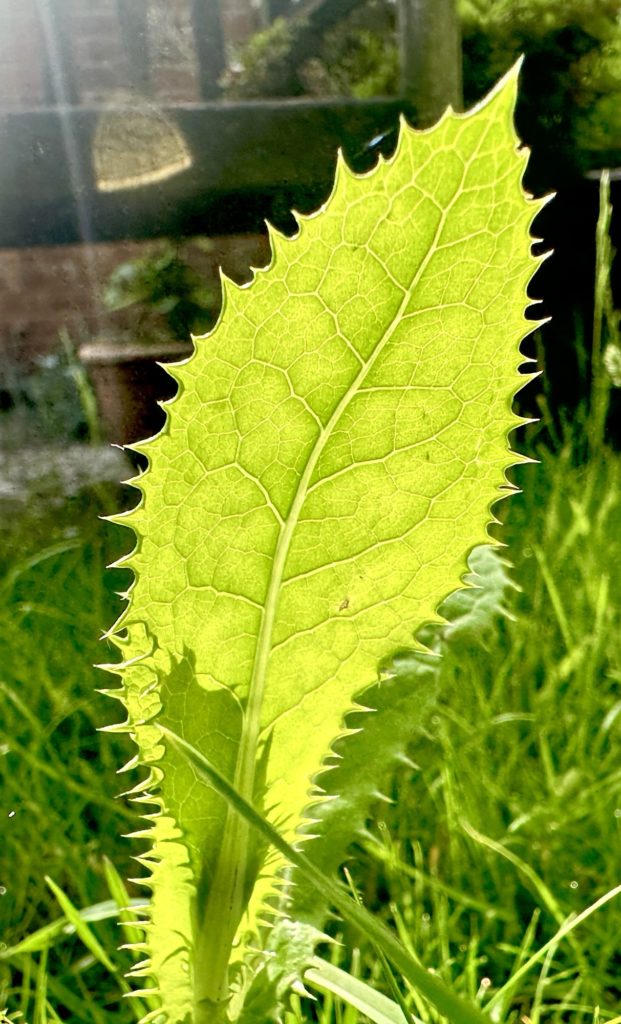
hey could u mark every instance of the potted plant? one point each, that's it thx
(172, 303)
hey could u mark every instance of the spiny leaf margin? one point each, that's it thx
(146, 664)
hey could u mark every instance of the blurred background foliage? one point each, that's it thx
(570, 107)
(169, 294)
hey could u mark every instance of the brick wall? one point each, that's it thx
(22, 63)
(45, 289)
(98, 59)
(96, 53)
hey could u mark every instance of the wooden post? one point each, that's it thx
(430, 57)
(209, 42)
(278, 8)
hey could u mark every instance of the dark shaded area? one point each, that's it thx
(251, 161)
(565, 283)
(549, 112)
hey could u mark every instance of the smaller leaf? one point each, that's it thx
(290, 951)
(474, 610)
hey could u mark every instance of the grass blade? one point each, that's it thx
(40, 1011)
(49, 934)
(565, 929)
(117, 890)
(82, 929)
(377, 1007)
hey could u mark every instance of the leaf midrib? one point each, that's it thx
(251, 730)
(233, 862)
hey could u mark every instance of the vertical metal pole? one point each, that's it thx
(209, 43)
(57, 39)
(600, 381)
(430, 57)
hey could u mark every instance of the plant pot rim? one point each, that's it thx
(106, 351)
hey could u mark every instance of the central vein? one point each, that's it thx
(228, 896)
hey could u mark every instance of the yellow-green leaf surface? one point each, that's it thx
(328, 463)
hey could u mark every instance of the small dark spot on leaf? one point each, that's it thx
(344, 604)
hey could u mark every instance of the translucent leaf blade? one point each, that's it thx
(330, 460)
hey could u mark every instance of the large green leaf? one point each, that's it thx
(330, 459)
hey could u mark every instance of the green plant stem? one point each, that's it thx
(83, 386)
(431, 987)
(600, 386)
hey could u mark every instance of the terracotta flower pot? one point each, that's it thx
(128, 383)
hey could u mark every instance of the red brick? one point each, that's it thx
(45, 289)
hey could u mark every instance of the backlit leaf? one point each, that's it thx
(327, 465)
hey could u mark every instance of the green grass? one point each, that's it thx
(511, 822)
(58, 780)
